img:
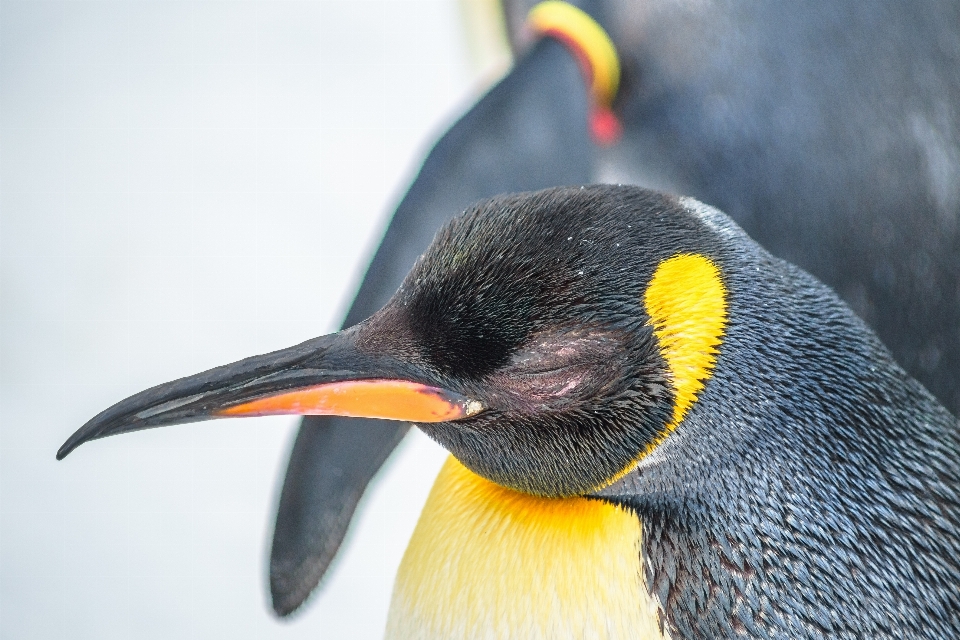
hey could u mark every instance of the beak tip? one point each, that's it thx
(75, 440)
(66, 448)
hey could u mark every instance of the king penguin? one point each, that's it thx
(657, 430)
(829, 131)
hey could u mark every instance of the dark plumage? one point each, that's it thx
(812, 489)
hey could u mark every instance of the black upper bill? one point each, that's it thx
(327, 359)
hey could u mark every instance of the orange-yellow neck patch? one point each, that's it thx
(687, 304)
(489, 562)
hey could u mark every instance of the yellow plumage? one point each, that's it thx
(489, 562)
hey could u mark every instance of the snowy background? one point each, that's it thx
(183, 184)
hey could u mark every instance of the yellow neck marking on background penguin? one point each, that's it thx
(687, 304)
(489, 562)
(575, 26)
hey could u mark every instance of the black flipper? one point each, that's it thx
(529, 132)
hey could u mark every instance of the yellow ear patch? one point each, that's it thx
(687, 304)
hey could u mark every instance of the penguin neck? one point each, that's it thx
(486, 561)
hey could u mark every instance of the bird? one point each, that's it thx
(829, 132)
(656, 428)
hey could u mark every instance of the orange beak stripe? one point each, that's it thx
(384, 399)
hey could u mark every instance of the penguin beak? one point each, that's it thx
(324, 376)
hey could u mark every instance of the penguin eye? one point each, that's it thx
(557, 368)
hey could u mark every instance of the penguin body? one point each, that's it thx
(812, 489)
(660, 430)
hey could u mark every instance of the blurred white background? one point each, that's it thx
(183, 184)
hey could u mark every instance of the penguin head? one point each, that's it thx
(548, 340)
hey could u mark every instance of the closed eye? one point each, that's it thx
(555, 351)
(560, 367)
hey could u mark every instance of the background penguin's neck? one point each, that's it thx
(485, 561)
